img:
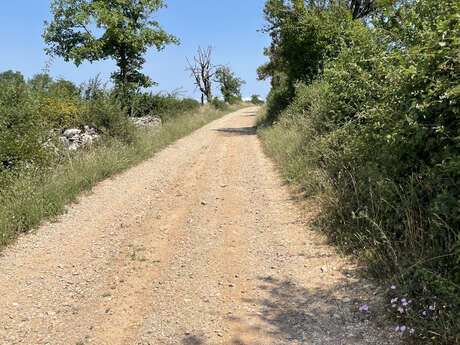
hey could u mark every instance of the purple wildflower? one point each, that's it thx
(403, 300)
(392, 287)
(364, 307)
(393, 305)
(394, 300)
(424, 313)
(431, 307)
(403, 328)
(397, 329)
(412, 331)
(401, 310)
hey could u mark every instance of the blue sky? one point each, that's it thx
(230, 26)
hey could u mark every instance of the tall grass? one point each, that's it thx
(38, 194)
(383, 222)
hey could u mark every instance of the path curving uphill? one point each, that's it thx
(201, 244)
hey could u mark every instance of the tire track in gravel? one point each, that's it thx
(200, 245)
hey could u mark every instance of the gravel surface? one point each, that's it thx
(200, 245)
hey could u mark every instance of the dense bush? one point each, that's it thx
(163, 106)
(30, 110)
(374, 137)
(21, 131)
(255, 99)
(218, 104)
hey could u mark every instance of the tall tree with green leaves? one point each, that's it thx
(230, 85)
(93, 30)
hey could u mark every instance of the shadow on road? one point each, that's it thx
(295, 314)
(238, 131)
(192, 340)
(309, 316)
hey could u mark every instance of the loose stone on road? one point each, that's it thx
(200, 245)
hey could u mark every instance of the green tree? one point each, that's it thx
(255, 99)
(230, 85)
(92, 30)
(40, 83)
(12, 77)
(64, 89)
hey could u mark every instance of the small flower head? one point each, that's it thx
(431, 307)
(400, 309)
(424, 313)
(403, 328)
(394, 300)
(412, 331)
(393, 305)
(392, 287)
(397, 329)
(364, 308)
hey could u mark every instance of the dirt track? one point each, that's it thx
(200, 245)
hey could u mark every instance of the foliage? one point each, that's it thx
(95, 30)
(218, 104)
(372, 132)
(12, 78)
(40, 83)
(164, 106)
(105, 113)
(255, 99)
(57, 112)
(21, 134)
(230, 85)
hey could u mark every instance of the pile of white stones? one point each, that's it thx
(146, 121)
(74, 138)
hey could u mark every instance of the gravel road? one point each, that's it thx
(202, 244)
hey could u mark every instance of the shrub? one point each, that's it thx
(255, 99)
(163, 106)
(218, 104)
(21, 132)
(59, 112)
(106, 115)
(374, 138)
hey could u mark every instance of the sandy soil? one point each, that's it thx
(200, 245)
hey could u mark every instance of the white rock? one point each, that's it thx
(64, 140)
(74, 146)
(86, 139)
(146, 121)
(72, 132)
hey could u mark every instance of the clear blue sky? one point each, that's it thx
(230, 26)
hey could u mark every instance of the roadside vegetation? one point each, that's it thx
(39, 172)
(363, 117)
(39, 176)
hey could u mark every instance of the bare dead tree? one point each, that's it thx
(203, 71)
